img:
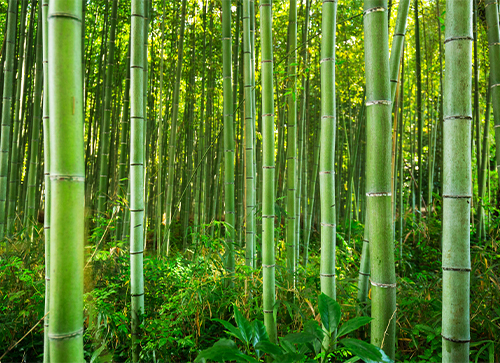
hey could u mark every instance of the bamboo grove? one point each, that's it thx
(156, 121)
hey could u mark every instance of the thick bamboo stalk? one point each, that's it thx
(137, 126)
(249, 139)
(268, 193)
(398, 41)
(46, 166)
(172, 142)
(327, 149)
(378, 176)
(35, 134)
(6, 110)
(457, 176)
(228, 134)
(105, 126)
(291, 149)
(67, 174)
(494, 54)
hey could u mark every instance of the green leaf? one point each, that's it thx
(244, 325)
(300, 338)
(223, 350)
(268, 347)
(367, 352)
(97, 353)
(235, 332)
(353, 324)
(314, 328)
(260, 332)
(329, 310)
(287, 346)
(290, 358)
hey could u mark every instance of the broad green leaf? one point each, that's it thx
(223, 350)
(314, 328)
(353, 324)
(244, 326)
(290, 358)
(268, 347)
(300, 338)
(367, 352)
(329, 310)
(97, 353)
(234, 331)
(260, 332)
(287, 346)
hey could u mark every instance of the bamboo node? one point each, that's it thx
(268, 266)
(137, 252)
(374, 10)
(268, 216)
(328, 225)
(451, 39)
(493, 44)
(267, 114)
(364, 273)
(327, 275)
(136, 295)
(66, 336)
(65, 15)
(332, 59)
(328, 116)
(384, 286)
(61, 177)
(382, 194)
(457, 117)
(462, 341)
(268, 167)
(457, 269)
(488, 4)
(268, 312)
(457, 196)
(495, 85)
(378, 102)
(399, 34)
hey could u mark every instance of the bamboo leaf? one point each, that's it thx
(244, 326)
(353, 324)
(329, 310)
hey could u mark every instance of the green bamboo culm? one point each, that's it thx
(494, 54)
(105, 126)
(291, 148)
(327, 149)
(67, 180)
(46, 166)
(228, 134)
(8, 82)
(378, 176)
(137, 170)
(268, 196)
(35, 133)
(22, 70)
(172, 142)
(249, 139)
(457, 177)
(398, 41)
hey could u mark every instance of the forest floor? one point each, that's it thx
(187, 291)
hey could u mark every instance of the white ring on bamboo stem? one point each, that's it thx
(268, 266)
(61, 177)
(378, 102)
(384, 286)
(457, 269)
(374, 10)
(66, 336)
(382, 194)
(328, 225)
(327, 275)
(451, 39)
(460, 341)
